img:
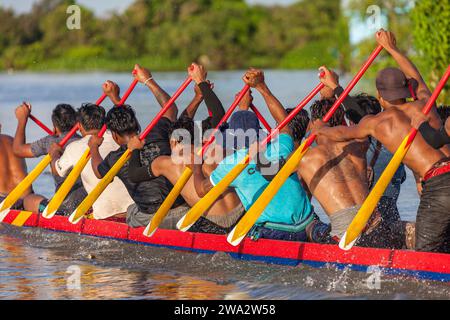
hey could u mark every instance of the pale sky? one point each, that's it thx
(102, 7)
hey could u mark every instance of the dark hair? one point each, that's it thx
(444, 112)
(299, 124)
(91, 116)
(321, 107)
(185, 123)
(64, 117)
(122, 120)
(368, 104)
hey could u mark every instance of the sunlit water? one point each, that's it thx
(38, 265)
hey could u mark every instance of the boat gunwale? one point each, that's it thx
(422, 265)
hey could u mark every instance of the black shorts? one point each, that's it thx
(433, 216)
(17, 206)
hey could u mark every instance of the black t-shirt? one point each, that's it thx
(148, 195)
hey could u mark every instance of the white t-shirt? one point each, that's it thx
(115, 199)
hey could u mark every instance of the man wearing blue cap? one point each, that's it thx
(290, 212)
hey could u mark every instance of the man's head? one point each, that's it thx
(123, 123)
(369, 105)
(64, 118)
(243, 130)
(393, 87)
(182, 133)
(91, 118)
(444, 112)
(321, 107)
(299, 124)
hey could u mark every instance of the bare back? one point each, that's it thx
(12, 169)
(224, 204)
(336, 174)
(392, 126)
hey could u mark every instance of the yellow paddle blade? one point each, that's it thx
(67, 185)
(168, 203)
(22, 187)
(249, 219)
(207, 201)
(362, 217)
(87, 203)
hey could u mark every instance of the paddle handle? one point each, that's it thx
(426, 110)
(161, 113)
(346, 92)
(40, 124)
(352, 84)
(261, 118)
(121, 102)
(225, 117)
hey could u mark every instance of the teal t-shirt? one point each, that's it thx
(289, 206)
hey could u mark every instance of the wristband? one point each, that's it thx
(145, 82)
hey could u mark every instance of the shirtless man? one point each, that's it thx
(336, 175)
(390, 128)
(12, 169)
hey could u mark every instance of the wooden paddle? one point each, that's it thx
(207, 201)
(252, 215)
(26, 183)
(159, 216)
(87, 203)
(76, 171)
(362, 217)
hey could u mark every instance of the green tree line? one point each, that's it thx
(169, 34)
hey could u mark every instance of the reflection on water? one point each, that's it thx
(38, 264)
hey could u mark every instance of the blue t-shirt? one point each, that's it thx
(289, 206)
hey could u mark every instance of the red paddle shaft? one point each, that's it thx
(426, 110)
(261, 118)
(166, 107)
(294, 112)
(346, 92)
(226, 117)
(40, 124)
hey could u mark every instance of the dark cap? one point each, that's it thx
(392, 84)
(244, 123)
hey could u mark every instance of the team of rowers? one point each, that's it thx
(350, 153)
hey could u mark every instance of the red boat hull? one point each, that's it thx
(423, 265)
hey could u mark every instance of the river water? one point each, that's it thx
(42, 265)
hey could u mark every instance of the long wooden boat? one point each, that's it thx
(422, 265)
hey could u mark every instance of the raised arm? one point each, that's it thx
(112, 90)
(20, 147)
(192, 108)
(145, 77)
(352, 109)
(389, 43)
(215, 107)
(362, 130)
(255, 79)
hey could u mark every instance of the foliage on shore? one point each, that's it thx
(169, 34)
